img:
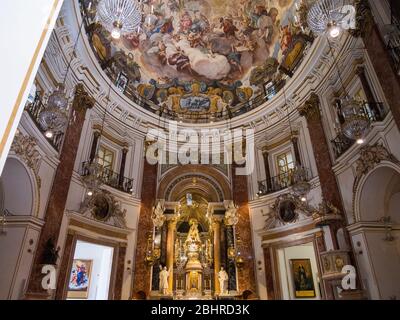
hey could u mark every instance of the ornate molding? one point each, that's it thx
(25, 147)
(310, 109)
(370, 156)
(82, 100)
(103, 207)
(279, 212)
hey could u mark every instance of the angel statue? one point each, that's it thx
(158, 216)
(231, 214)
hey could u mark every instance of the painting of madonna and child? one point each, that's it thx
(208, 40)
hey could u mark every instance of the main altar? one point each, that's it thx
(193, 250)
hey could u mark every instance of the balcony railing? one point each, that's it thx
(111, 178)
(375, 112)
(34, 109)
(278, 183)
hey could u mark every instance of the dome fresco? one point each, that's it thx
(201, 60)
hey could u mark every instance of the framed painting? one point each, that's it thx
(303, 278)
(79, 281)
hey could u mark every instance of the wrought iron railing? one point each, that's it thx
(278, 183)
(110, 178)
(375, 112)
(34, 108)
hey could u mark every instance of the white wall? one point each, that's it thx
(285, 269)
(20, 58)
(101, 268)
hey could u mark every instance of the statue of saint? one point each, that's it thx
(223, 279)
(193, 237)
(164, 285)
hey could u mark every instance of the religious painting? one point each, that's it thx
(303, 278)
(231, 47)
(79, 282)
(122, 82)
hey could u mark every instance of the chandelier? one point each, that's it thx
(301, 187)
(54, 117)
(119, 17)
(327, 16)
(92, 177)
(356, 124)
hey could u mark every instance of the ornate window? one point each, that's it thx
(106, 158)
(285, 168)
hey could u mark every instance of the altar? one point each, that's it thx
(195, 247)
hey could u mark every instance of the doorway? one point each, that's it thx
(91, 272)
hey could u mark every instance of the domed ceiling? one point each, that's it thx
(202, 60)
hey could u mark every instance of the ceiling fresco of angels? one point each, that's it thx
(227, 47)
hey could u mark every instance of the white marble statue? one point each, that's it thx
(164, 276)
(223, 281)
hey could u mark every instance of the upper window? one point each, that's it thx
(285, 163)
(106, 158)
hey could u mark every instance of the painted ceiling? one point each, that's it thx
(201, 57)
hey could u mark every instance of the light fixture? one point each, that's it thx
(49, 134)
(54, 117)
(119, 17)
(90, 193)
(334, 30)
(356, 124)
(303, 199)
(301, 187)
(325, 16)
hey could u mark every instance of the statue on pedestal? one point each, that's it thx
(223, 280)
(164, 285)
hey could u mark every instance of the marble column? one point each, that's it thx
(67, 257)
(119, 279)
(170, 252)
(142, 273)
(246, 276)
(93, 150)
(122, 167)
(267, 168)
(217, 252)
(381, 61)
(295, 143)
(60, 189)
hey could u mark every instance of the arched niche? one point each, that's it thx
(378, 194)
(18, 189)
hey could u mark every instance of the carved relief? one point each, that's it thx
(370, 156)
(103, 207)
(287, 209)
(82, 100)
(231, 214)
(158, 216)
(25, 147)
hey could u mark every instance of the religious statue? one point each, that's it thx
(223, 279)
(231, 214)
(164, 285)
(158, 216)
(193, 238)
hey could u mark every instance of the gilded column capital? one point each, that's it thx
(82, 100)
(310, 109)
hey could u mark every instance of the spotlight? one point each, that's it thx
(49, 134)
(303, 199)
(360, 141)
(334, 30)
(90, 193)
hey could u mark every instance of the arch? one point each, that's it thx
(20, 188)
(377, 193)
(209, 179)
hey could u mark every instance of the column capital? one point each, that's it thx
(310, 109)
(82, 100)
(265, 150)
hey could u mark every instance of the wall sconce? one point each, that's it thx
(239, 259)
